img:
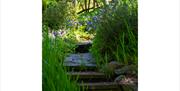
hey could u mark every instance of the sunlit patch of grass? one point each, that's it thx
(79, 36)
(83, 36)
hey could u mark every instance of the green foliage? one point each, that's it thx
(47, 3)
(116, 36)
(115, 26)
(57, 13)
(54, 74)
(78, 35)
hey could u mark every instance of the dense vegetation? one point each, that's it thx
(116, 33)
(110, 24)
(54, 76)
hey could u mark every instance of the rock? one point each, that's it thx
(127, 70)
(110, 67)
(119, 71)
(114, 64)
(119, 78)
(129, 82)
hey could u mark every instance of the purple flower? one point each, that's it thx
(75, 23)
(55, 33)
(89, 23)
(95, 18)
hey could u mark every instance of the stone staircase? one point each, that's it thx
(83, 66)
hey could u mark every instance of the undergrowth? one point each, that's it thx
(54, 74)
(116, 34)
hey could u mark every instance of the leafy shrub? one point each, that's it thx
(47, 3)
(56, 14)
(116, 36)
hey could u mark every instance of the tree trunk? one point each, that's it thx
(89, 5)
(97, 4)
(85, 1)
(94, 3)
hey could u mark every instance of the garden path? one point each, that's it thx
(83, 65)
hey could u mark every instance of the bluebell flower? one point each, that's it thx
(61, 33)
(95, 18)
(89, 23)
(55, 33)
(75, 23)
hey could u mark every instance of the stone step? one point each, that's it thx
(83, 47)
(77, 67)
(87, 75)
(80, 61)
(103, 86)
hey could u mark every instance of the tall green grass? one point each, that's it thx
(116, 35)
(54, 74)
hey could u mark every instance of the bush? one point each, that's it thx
(116, 36)
(56, 14)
